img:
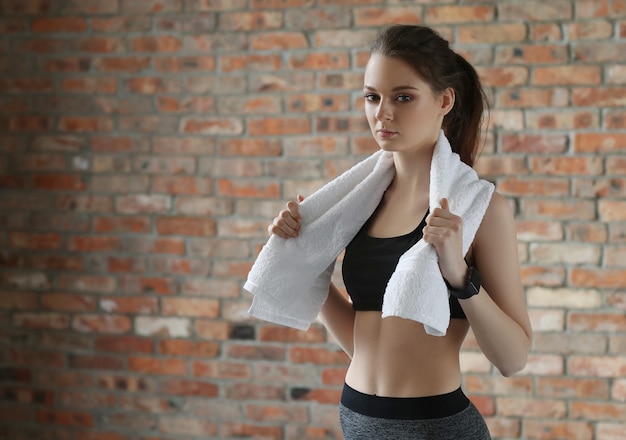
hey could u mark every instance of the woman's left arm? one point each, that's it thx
(497, 314)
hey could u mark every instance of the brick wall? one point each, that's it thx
(146, 144)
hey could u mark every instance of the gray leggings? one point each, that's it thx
(392, 422)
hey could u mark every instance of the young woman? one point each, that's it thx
(403, 383)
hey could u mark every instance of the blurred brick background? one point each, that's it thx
(146, 144)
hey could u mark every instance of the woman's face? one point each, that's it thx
(402, 111)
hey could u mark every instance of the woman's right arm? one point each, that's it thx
(337, 313)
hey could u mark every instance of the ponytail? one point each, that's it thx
(462, 125)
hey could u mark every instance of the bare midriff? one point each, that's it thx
(395, 357)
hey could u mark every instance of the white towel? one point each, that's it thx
(290, 277)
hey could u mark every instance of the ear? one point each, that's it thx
(447, 100)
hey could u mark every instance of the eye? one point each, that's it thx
(404, 98)
(371, 97)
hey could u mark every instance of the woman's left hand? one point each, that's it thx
(444, 231)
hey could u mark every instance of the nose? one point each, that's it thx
(383, 112)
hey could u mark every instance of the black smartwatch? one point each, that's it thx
(472, 286)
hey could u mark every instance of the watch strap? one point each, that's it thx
(472, 285)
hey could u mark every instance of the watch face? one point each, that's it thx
(474, 281)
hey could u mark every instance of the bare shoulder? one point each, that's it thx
(497, 233)
(498, 221)
(499, 209)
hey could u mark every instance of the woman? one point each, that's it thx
(403, 383)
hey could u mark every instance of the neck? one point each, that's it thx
(412, 172)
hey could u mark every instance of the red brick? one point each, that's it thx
(18, 300)
(181, 387)
(185, 64)
(132, 7)
(178, 347)
(33, 358)
(278, 41)
(204, 105)
(245, 189)
(599, 142)
(183, 145)
(132, 224)
(35, 241)
(533, 186)
(256, 62)
(132, 305)
(58, 182)
(142, 204)
(532, 54)
(597, 411)
(68, 302)
(65, 418)
(566, 75)
(559, 209)
(536, 11)
(29, 123)
(41, 321)
(212, 125)
(160, 286)
(587, 232)
(27, 7)
(187, 426)
(152, 365)
(222, 370)
(96, 362)
(121, 64)
(193, 307)
(575, 430)
(247, 21)
(185, 226)
(601, 278)
(458, 14)
(124, 344)
(94, 244)
(252, 391)
(59, 24)
(538, 119)
(592, 322)
(601, 97)
(580, 165)
(317, 356)
(101, 323)
(213, 330)
(492, 33)
(164, 43)
(250, 147)
(211, 287)
(85, 124)
(257, 352)
(529, 98)
(182, 185)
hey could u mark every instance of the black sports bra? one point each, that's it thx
(369, 262)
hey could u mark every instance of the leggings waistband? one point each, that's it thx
(405, 408)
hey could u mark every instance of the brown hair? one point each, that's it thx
(433, 59)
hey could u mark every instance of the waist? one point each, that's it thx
(405, 408)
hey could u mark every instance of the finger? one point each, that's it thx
(294, 210)
(281, 229)
(300, 198)
(275, 230)
(444, 204)
(287, 220)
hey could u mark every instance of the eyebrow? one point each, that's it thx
(395, 89)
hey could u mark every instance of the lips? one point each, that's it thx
(386, 134)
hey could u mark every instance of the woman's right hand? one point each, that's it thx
(287, 224)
